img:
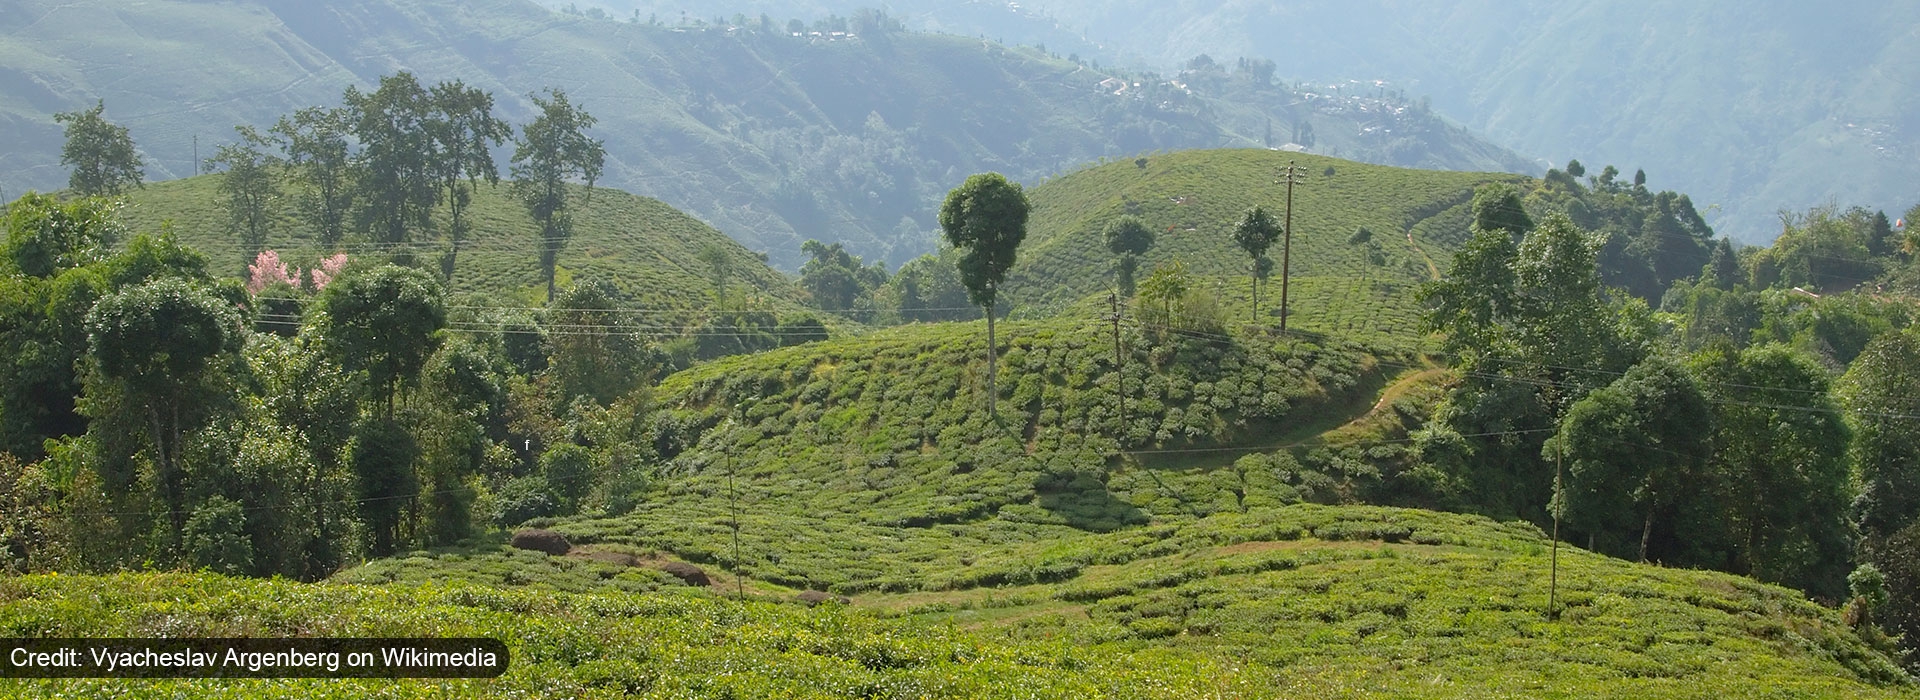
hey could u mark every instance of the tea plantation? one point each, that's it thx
(649, 250)
(1193, 546)
(1192, 199)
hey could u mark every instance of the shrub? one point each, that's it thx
(687, 573)
(538, 540)
(813, 598)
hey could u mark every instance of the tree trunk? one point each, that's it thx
(993, 364)
(1646, 533)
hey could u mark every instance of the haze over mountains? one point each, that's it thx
(1752, 106)
(770, 137)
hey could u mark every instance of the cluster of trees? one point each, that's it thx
(378, 165)
(1746, 426)
(144, 422)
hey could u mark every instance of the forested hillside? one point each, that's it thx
(845, 133)
(1750, 107)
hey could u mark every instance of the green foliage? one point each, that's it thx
(985, 218)
(215, 540)
(247, 187)
(46, 235)
(1822, 249)
(1878, 391)
(1780, 451)
(394, 178)
(597, 348)
(316, 146)
(383, 321)
(838, 280)
(99, 151)
(1129, 238)
(1635, 451)
(1256, 232)
(386, 482)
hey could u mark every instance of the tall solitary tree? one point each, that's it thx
(1255, 233)
(464, 132)
(1129, 238)
(248, 187)
(552, 149)
(397, 188)
(985, 218)
(316, 145)
(100, 153)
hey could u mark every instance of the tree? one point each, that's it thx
(1129, 238)
(1780, 455)
(837, 279)
(1575, 169)
(463, 130)
(396, 183)
(156, 343)
(1878, 392)
(1255, 233)
(720, 265)
(1167, 285)
(248, 188)
(99, 151)
(1633, 448)
(49, 279)
(552, 149)
(384, 322)
(985, 218)
(597, 349)
(1497, 207)
(315, 142)
(383, 457)
(1723, 267)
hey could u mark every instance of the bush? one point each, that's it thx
(524, 499)
(813, 598)
(538, 540)
(687, 573)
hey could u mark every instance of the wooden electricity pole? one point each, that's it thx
(1119, 374)
(1291, 175)
(1553, 575)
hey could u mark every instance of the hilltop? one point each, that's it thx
(647, 248)
(1362, 290)
(852, 134)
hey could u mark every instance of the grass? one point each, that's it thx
(1192, 199)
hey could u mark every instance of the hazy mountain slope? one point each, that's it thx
(1754, 106)
(769, 137)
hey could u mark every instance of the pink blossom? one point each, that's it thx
(266, 270)
(329, 268)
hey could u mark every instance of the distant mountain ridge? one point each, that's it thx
(1750, 106)
(770, 137)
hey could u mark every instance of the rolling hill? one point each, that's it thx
(648, 249)
(1192, 199)
(771, 138)
(1194, 526)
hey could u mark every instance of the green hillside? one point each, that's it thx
(1192, 199)
(648, 249)
(772, 138)
(866, 467)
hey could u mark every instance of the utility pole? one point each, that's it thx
(1119, 370)
(1553, 575)
(733, 504)
(1291, 175)
(196, 154)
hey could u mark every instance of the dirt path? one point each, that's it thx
(1431, 268)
